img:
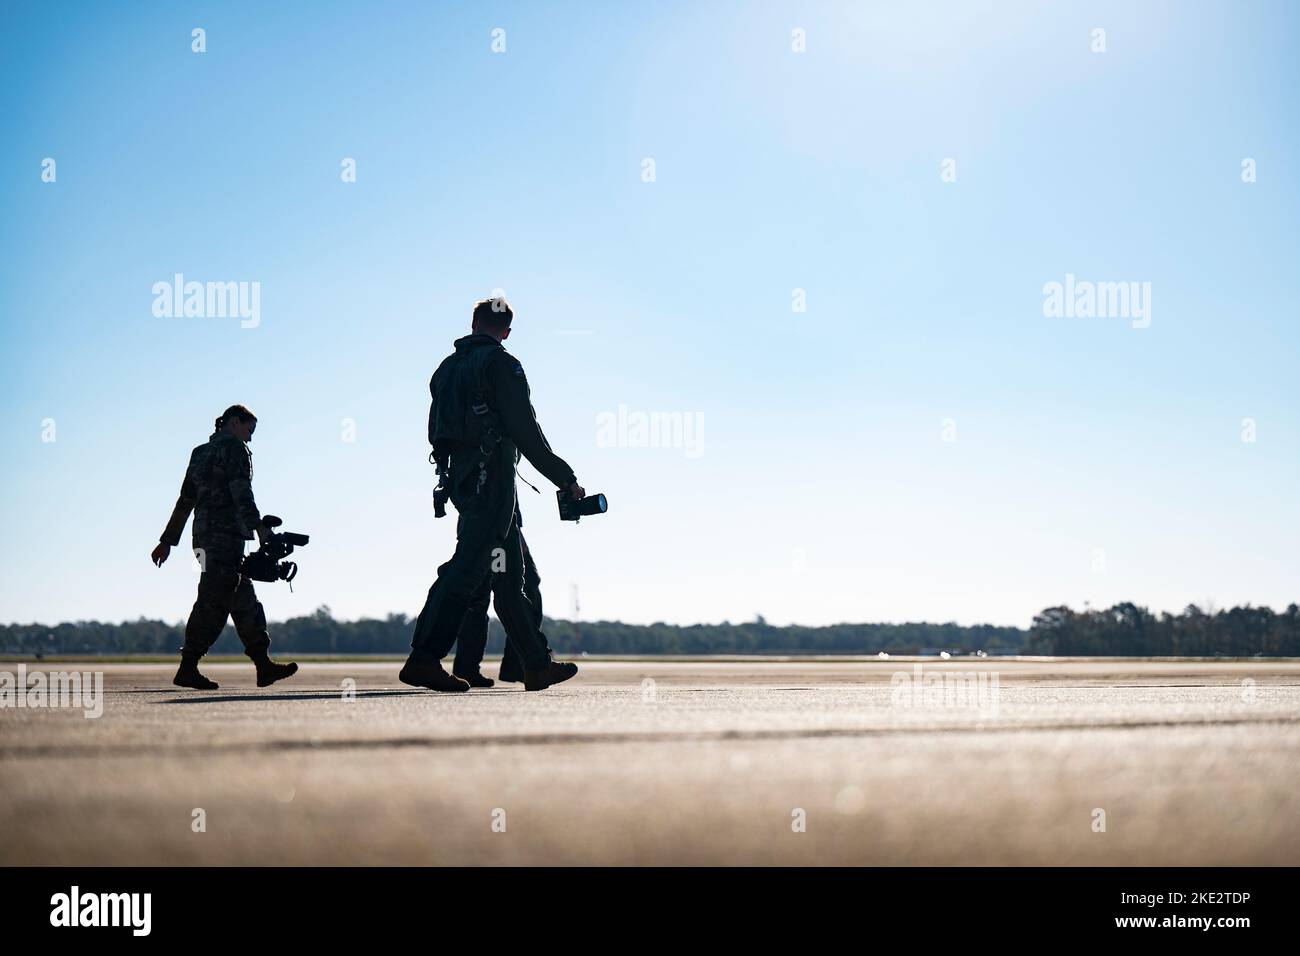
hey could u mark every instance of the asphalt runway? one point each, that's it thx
(699, 762)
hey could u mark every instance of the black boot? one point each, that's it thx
(554, 673)
(432, 676)
(512, 667)
(511, 672)
(474, 678)
(187, 675)
(269, 671)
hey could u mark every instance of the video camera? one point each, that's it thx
(266, 563)
(571, 509)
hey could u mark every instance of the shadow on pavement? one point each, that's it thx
(186, 698)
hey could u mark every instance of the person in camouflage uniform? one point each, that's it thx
(218, 489)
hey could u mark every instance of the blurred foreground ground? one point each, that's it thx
(667, 763)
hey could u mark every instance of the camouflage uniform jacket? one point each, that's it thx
(218, 488)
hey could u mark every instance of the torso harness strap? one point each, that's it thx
(487, 445)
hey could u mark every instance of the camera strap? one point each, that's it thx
(527, 482)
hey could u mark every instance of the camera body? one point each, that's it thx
(572, 509)
(267, 562)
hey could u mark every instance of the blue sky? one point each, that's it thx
(1082, 459)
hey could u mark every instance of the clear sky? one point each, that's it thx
(922, 443)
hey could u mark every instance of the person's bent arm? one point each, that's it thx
(519, 421)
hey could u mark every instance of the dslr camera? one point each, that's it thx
(572, 509)
(267, 562)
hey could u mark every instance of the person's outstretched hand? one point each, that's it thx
(160, 553)
(577, 491)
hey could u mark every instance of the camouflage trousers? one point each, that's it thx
(225, 593)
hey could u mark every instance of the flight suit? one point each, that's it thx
(482, 373)
(471, 640)
(218, 489)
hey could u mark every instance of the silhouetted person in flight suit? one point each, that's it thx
(480, 420)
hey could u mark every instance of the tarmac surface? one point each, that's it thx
(973, 762)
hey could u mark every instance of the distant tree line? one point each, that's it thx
(1128, 630)
(1123, 630)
